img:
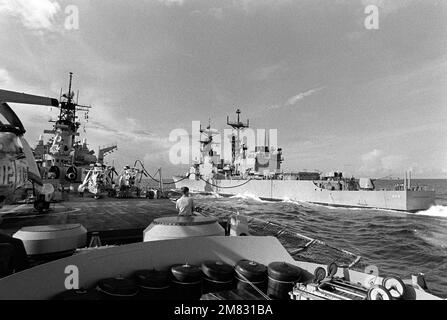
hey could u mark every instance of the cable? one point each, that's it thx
(262, 294)
(184, 178)
(158, 181)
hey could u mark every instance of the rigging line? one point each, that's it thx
(262, 294)
(220, 187)
(156, 180)
(145, 171)
(184, 178)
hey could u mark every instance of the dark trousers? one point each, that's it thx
(19, 259)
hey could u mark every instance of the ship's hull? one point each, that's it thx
(308, 191)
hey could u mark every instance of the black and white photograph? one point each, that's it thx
(223, 158)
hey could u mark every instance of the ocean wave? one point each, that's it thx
(436, 239)
(249, 196)
(418, 244)
(434, 211)
(329, 207)
(307, 204)
(201, 195)
(210, 196)
(296, 202)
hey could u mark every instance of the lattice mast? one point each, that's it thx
(235, 140)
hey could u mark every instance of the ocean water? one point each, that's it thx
(397, 243)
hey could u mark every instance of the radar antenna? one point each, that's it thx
(238, 125)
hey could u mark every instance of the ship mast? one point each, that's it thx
(66, 126)
(68, 108)
(238, 126)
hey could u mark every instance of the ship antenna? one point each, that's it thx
(238, 126)
(69, 87)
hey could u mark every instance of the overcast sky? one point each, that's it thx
(368, 102)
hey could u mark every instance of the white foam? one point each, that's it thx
(434, 211)
(214, 195)
(310, 205)
(436, 239)
(207, 196)
(299, 203)
(248, 196)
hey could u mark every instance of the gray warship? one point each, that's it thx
(259, 173)
(63, 158)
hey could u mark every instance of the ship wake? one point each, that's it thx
(434, 211)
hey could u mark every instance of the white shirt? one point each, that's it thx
(185, 206)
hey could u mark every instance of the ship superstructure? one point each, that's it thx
(259, 173)
(63, 156)
(262, 162)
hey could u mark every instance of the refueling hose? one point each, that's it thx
(150, 176)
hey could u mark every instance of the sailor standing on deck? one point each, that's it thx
(185, 205)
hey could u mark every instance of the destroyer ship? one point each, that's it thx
(259, 173)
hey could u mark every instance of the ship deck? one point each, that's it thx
(117, 221)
